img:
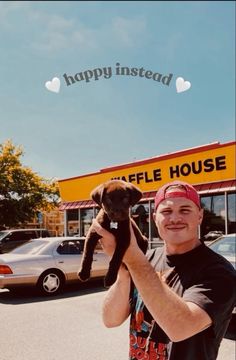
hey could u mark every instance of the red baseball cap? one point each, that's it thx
(189, 193)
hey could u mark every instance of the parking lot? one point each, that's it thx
(65, 327)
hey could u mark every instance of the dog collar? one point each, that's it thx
(113, 225)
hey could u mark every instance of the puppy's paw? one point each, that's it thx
(84, 275)
(109, 279)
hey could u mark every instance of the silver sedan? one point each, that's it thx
(226, 246)
(48, 263)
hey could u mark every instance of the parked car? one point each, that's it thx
(212, 235)
(10, 239)
(226, 246)
(48, 264)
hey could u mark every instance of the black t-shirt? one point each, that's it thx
(200, 276)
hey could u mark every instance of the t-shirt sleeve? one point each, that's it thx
(215, 293)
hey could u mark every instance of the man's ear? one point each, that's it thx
(201, 213)
(97, 194)
(135, 193)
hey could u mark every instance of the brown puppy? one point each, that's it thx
(115, 197)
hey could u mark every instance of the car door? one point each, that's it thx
(100, 262)
(68, 257)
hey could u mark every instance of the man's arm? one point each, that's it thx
(179, 319)
(116, 307)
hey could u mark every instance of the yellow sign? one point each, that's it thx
(194, 166)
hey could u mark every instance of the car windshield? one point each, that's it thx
(2, 234)
(225, 246)
(31, 247)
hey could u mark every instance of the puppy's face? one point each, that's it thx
(116, 203)
(116, 197)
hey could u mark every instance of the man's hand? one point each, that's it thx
(107, 241)
(108, 244)
(133, 252)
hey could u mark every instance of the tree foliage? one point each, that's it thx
(23, 193)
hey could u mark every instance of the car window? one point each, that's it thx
(225, 246)
(45, 233)
(70, 248)
(18, 235)
(22, 235)
(2, 234)
(42, 233)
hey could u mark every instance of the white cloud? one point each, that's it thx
(9, 7)
(85, 37)
(61, 34)
(128, 31)
(51, 42)
(59, 23)
(120, 32)
(53, 33)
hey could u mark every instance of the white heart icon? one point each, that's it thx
(53, 85)
(182, 85)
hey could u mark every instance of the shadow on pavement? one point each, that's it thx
(28, 295)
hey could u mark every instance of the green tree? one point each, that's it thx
(23, 193)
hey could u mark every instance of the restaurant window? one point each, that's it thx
(96, 210)
(231, 213)
(72, 221)
(86, 217)
(140, 214)
(214, 214)
(154, 232)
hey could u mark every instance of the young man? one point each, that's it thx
(180, 296)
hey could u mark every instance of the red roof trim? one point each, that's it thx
(222, 186)
(171, 155)
(77, 205)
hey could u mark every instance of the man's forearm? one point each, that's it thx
(116, 306)
(177, 318)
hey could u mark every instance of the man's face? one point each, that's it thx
(177, 220)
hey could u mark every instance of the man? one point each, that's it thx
(180, 296)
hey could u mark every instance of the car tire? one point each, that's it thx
(51, 282)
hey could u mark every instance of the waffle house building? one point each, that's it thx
(209, 168)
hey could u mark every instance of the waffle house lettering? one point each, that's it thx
(197, 167)
(141, 177)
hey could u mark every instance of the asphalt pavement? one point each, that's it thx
(67, 327)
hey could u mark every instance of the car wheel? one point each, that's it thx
(51, 282)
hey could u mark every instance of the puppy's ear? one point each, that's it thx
(135, 193)
(97, 193)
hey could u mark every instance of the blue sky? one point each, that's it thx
(91, 125)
